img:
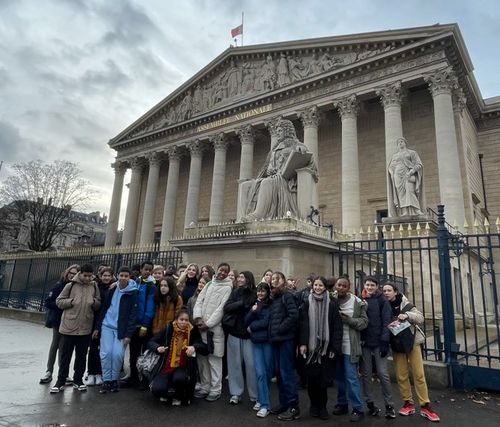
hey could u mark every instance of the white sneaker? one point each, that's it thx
(98, 380)
(263, 413)
(234, 400)
(90, 381)
(163, 399)
(176, 402)
(256, 407)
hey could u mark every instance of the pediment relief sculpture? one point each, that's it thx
(245, 78)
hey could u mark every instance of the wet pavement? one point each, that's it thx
(24, 402)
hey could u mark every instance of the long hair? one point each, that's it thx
(65, 273)
(249, 279)
(181, 281)
(173, 293)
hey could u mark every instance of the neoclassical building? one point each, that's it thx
(349, 97)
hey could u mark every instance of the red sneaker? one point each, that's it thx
(407, 409)
(428, 413)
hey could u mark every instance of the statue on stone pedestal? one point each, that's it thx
(405, 170)
(274, 192)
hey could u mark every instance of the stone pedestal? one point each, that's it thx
(288, 245)
(307, 194)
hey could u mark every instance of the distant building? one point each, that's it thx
(86, 229)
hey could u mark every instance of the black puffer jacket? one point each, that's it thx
(284, 317)
(53, 313)
(379, 316)
(239, 303)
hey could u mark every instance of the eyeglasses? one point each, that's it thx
(72, 273)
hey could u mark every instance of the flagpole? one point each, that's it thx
(242, 29)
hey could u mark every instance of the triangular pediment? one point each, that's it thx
(246, 72)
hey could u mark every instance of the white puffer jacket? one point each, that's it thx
(210, 307)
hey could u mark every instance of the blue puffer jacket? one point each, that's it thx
(379, 316)
(145, 301)
(258, 322)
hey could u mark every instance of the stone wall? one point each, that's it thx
(489, 143)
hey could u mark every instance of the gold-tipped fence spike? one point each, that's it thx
(497, 223)
(361, 232)
(466, 225)
(369, 231)
(384, 229)
(427, 226)
(476, 223)
(409, 228)
(486, 223)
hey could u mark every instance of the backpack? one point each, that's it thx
(148, 364)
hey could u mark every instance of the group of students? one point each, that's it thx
(195, 319)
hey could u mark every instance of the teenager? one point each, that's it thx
(233, 275)
(79, 300)
(179, 343)
(239, 346)
(207, 314)
(116, 325)
(94, 369)
(267, 276)
(283, 326)
(167, 302)
(145, 312)
(53, 320)
(320, 341)
(354, 319)
(158, 273)
(192, 301)
(188, 281)
(375, 339)
(257, 321)
(403, 310)
(207, 272)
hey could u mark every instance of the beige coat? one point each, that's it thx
(416, 318)
(79, 301)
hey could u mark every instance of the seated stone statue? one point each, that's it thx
(406, 181)
(274, 192)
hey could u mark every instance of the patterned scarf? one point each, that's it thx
(178, 343)
(319, 331)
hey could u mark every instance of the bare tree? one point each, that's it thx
(44, 195)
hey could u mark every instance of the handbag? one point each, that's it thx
(229, 321)
(402, 337)
(147, 365)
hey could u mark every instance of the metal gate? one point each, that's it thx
(451, 278)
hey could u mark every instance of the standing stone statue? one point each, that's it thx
(233, 80)
(274, 192)
(406, 181)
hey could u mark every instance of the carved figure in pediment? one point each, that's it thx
(233, 78)
(297, 69)
(248, 78)
(327, 62)
(313, 66)
(185, 107)
(207, 96)
(283, 72)
(267, 77)
(197, 99)
(218, 90)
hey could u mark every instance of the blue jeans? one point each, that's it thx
(348, 383)
(263, 362)
(284, 365)
(112, 353)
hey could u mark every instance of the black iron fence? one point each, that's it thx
(451, 278)
(26, 281)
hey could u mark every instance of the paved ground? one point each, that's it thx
(23, 402)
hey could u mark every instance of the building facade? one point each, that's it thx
(350, 99)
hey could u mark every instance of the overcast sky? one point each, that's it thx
(74, 73)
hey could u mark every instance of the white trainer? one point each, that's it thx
(90, 381)
(98, 380)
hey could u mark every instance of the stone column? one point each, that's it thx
(218, 179)
(310, 118)
(441, 84)
(196, 150)
(391, 97)
(148, 216)
(247, 138)
(271, 127)
(351, 217)
(168, 222)
(134, 193)
(116, 200)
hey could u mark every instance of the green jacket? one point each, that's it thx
(357, 323)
